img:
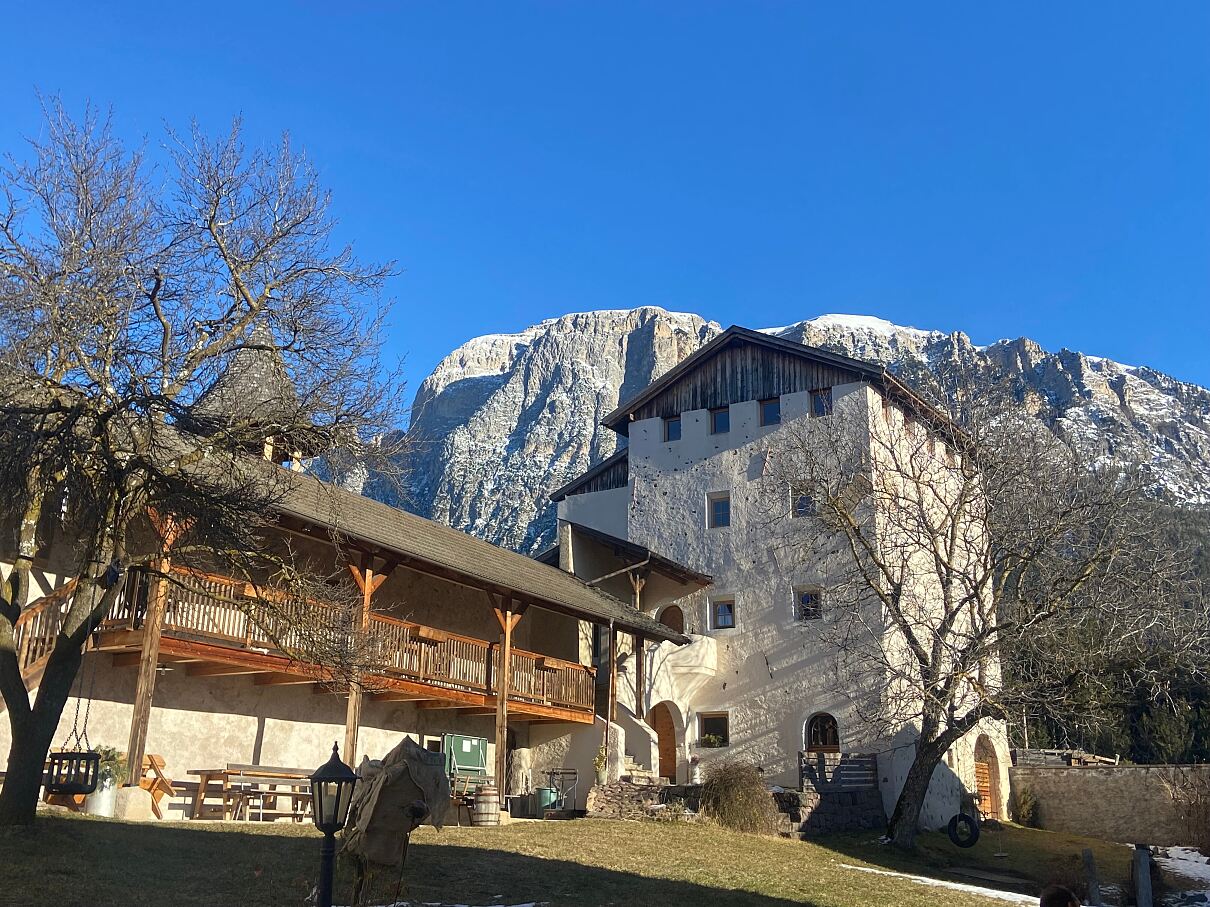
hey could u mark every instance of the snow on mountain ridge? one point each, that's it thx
(507, 418)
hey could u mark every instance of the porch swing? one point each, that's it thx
(75, 772)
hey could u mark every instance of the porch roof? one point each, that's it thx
(635, 552)
(412, 539)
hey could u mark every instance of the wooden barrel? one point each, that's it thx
(487, 806)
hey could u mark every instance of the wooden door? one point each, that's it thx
(983, 784)
(665, 730)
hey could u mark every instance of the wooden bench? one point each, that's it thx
(245, 785)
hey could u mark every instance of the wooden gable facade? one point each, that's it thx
(737, 366)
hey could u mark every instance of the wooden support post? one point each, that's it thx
(612, 711)
(640, 681)
(368, 582)
(508, 614)
(169, 530)
(1142, 875)
(1094, 880)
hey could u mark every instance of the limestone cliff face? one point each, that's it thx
(505, 419)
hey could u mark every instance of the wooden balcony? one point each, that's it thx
(219, 625)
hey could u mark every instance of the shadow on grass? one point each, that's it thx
(468, 875)
(1015, 860)
(71, 861)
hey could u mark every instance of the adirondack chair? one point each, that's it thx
(155, 782)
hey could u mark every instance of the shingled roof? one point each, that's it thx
(253, 389)
(415, 539)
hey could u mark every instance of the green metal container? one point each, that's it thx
(545, 799)
(464, 755)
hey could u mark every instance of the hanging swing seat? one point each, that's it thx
(72, 773)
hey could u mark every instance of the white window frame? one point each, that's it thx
(711, 499)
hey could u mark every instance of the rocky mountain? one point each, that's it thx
(507, 418)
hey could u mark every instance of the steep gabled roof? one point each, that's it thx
(254, 389)
(734, 336)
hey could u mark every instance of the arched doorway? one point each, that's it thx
(673, 618)
(664, 724)
(987, 777)
(821, 734)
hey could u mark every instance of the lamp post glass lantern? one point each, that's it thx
(331, 792)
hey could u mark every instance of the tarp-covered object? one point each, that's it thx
(392, 798)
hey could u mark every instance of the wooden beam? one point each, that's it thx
(363, 575)
(221, 670)
(613, 675)
(127, 659)
(398, 696)
(508, 618)
(640, 681)
(169, 531)
(277, 679)
(447, 705)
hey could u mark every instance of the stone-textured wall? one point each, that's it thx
(1127, 803)
(813, 814)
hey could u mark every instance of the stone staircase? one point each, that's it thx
(636, 774)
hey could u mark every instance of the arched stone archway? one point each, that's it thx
(987, 777)
(821, 734)
(673, 618)
(664, 719)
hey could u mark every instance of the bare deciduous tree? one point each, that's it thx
(971, 571)
(165, 329)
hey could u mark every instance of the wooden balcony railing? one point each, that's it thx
(233, 613)
(38, 626)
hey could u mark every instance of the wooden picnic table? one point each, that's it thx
(244, 782)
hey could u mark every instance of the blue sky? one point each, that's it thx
(1034, 169)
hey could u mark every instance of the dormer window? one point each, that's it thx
(672, 428)
(770, 411)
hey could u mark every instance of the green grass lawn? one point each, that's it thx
(77, 861)
(1033, 856)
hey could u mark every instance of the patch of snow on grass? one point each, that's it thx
(1186, 862)
(1010, 896)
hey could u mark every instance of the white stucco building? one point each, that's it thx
(689, 491)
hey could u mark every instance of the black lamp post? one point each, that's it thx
(331, 791)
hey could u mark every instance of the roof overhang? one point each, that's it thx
(448, 553)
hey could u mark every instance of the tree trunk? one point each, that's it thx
(905, 820)
(33, 734)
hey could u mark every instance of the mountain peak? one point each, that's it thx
(507, 418)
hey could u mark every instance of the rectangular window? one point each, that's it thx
(821, 402)
(720, 421)
(808, 603)
(770, 411)
(722, 614)
(713, 730)
(718, 510)
(801, 503)
(672, 428)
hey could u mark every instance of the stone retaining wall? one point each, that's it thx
(1127, 803)
(805, 813)
(813, 814)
